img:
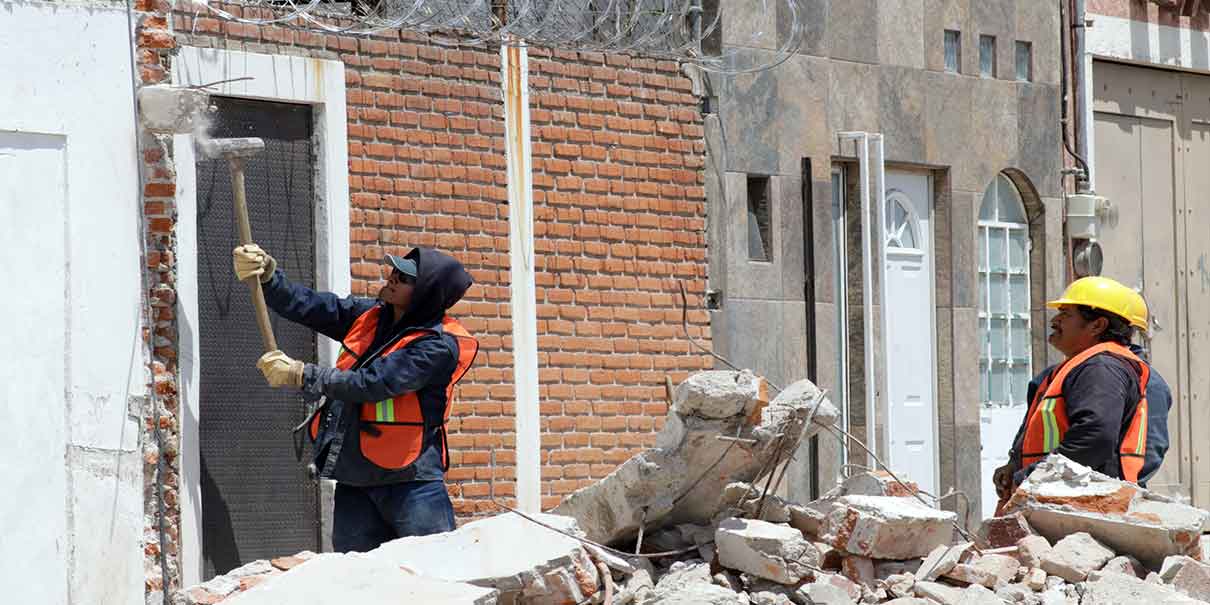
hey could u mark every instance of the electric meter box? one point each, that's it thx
(1083, 215)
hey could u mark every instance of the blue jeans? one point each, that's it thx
(365, 517)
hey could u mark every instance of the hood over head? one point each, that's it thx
(441, 281)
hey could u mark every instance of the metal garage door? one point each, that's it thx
(1152, 150)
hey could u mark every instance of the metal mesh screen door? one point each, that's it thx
(257, 501)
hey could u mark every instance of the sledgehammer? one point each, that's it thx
(234, 151)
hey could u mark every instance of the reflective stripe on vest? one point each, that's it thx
(398, 424)
(1046, 421)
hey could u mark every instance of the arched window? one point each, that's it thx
(901, 222)
(1005, 359)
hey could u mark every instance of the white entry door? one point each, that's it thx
(909, 329)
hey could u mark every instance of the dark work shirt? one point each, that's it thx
(1101, 396)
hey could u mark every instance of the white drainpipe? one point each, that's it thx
(879, 251)
(862, 141)
(514, 61)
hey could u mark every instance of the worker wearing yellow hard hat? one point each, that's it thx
(1095, 406)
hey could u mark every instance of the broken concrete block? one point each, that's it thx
(744, 499)
(1016, 593)
(1119, 589)
(828, 584)
(977, 594)
(946, 595)
(698, 594)
(1126, 565)
(1031, 550)
(1076, 556)
(719, 394)
(769, 598)
(361, 579)
(884, 527)
(908, 601)
(1003, 567)
(899, 585)
(967, 573)
(505, 552)
(873, 483)
(999, 532)
(1187, 576)
(823, 593)
(1036, 579)
(858, 569)
(1062, 497)
(682, 479)
(942, 559)
(774, 552)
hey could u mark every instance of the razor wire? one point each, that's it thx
(690, 31)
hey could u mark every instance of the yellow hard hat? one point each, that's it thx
(1107, 295)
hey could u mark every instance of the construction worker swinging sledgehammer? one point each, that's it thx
(382, 433)
(1093, 407)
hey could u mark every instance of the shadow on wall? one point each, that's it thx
(218, 539)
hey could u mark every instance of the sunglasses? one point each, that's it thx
(398, 277)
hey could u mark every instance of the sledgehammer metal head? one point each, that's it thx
(230, 148)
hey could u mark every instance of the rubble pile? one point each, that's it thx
(711, 531)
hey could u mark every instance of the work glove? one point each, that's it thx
(280, 370)
(251, 260)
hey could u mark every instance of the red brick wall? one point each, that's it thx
(620, 218)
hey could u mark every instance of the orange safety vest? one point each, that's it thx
(1047, 417)
(397, 425)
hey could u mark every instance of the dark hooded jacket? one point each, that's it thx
(425, 366)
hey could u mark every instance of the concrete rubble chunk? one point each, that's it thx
(745, 499)
(520, 559)
(1017, 593)
(825, 593)
(940, 593)
(1061, 497)
(775, 552)
(1127, 565)
(999, 532)
(858, 569)
(900, 585)
(1036, 579)
(874, 483)
(1076, 556)
(697, 594)
(967, 573)
(1187, 576)
(690, 584)
(1003, 567)
(1031, 549)
(666, 485)
(885, 527)
(942, 559)
(361, 579)
(908, 601)
(1120, 589)
(976, 594)
(719, 394)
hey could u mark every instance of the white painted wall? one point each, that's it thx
(1139, 41)
(71, 364)
(275, 78)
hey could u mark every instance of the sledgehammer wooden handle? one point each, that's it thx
(245, 238)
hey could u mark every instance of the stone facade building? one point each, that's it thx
(965, 96)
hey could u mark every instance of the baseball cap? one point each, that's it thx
(405, 266)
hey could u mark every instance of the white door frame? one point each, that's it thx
(321, 84)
